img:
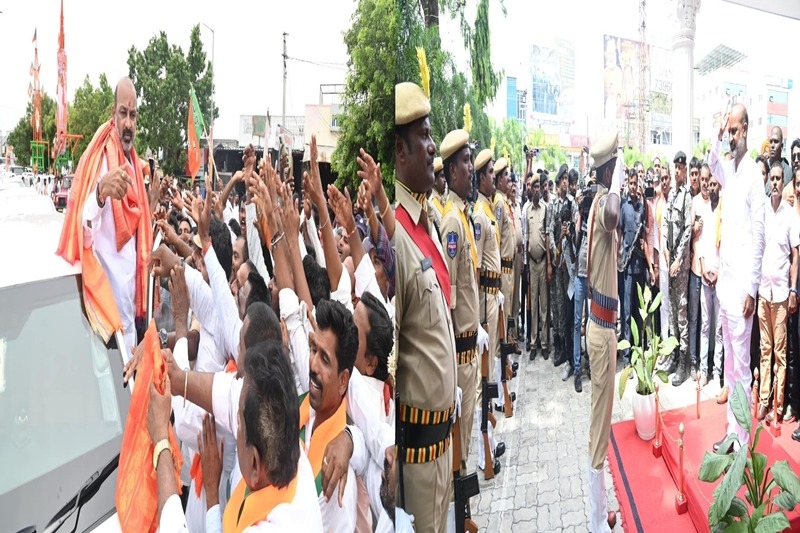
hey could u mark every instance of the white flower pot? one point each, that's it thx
(644, 415)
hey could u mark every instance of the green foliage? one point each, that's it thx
(701, 149)
(163, 75)
(632, 154)
(92, 108)
(22, 134)
(509, 137)
(484, 78)
(367, 120)
(643, 360)
(768, 491)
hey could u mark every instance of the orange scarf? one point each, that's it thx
(137, 484)
(247, 508)
(322, 435)
(131, 218)
(196, 471)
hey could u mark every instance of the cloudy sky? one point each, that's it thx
(247, 49)
(766, 39)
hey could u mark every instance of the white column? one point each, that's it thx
(683, 76)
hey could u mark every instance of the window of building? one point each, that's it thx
(511, 100)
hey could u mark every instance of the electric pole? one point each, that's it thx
(284, 80)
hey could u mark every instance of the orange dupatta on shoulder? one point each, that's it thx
(323, 434)
(246, 508)
(131, 218)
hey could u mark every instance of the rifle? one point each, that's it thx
(465, 487)
(505, 370)
(489, 392)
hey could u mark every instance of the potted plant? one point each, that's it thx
(643, 364)
(769, 490)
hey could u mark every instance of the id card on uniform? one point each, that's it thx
(426, 263)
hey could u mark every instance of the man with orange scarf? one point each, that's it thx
(107, 223)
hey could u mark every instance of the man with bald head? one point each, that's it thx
(776, 156)
(741, 250)
(108, 207)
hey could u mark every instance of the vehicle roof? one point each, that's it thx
(32, 240)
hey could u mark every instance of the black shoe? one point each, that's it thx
(499, 450)
(694, 374)
(513, 396)
(545, 353)
(515, 367)
(796, 435)
(682, 374)
(496, 466)
(531, 353)
(578, 383)
(499, 408)
(730, 446)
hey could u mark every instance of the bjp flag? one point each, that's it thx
(137, 484)
(194, 127)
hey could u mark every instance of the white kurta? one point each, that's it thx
(119, 266)
(740, 255)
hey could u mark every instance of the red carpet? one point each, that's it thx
(646, 486)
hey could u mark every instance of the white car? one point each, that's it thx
(23, 201)
(62, 404)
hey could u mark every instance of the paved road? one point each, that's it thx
(542, 484)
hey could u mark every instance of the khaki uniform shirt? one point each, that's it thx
(505, 225)
(602, 249)
(535, 220)
(436, 207)
(458, 256)
(426, 350)
(486, 237)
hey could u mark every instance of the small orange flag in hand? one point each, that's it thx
(137, 485)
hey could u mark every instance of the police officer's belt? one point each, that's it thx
(423, 435)
(465, 346)
(537, 261)
(603, 310)
(490, 282)
(507, 265)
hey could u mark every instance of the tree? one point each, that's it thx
(509, 137)
(163, 75)
(367, 120)
(22, 134)
(91, 108)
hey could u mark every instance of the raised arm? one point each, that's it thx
(313, 185)
(371, 173)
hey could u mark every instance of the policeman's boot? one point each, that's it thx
(559, 356)
(682, 373)
(671, 364)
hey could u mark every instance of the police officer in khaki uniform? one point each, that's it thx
(438, 194)
(487, 243)
(426, 352)
(508, 236)
(460, 255)
(601, 335)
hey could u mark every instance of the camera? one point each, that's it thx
(649, 193)
(588, 193)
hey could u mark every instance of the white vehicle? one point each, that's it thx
(62, 404)
(23, 201)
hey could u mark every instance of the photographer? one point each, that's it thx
(562, 218)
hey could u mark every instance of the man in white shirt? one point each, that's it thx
(741, 252)
(708, 255)
(776, 294)
(276, 492)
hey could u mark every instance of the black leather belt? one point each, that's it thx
(466, 341)
(490, 282)
(537, 261)
(507, 263)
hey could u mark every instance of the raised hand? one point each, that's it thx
(114, 184)
(370, 172)
(312, 183)
(168, 231)
(162, 261)
(342, 208)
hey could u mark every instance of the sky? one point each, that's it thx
(766, 39)
(247, 55)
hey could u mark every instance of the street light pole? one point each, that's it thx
(213, 91)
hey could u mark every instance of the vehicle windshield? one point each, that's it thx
(57, 393)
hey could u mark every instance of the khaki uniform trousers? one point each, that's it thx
(428, 490)
(601, 343)
(489, 311)
(508, 295)
(516, 296)
(469, 381)
(772, 326)
(539, 294)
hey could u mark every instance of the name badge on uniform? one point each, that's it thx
(426, 263)
(452, 244)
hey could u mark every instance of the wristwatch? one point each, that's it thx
(160, 447)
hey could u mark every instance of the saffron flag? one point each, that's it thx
(137, 484)
(194, 127)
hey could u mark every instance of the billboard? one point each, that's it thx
(552, 72)
(253, 128)
(623, 61)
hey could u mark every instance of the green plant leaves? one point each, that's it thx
(785, 500)
(740, 407)
(786, 479)
(662, 375)
(726, 490)
(713, 466)
(668, 346)
(623, 380)
(656, 303)
(773, 523)
(623, 345)
(738, 527)
(634, 331)
(738, 508)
